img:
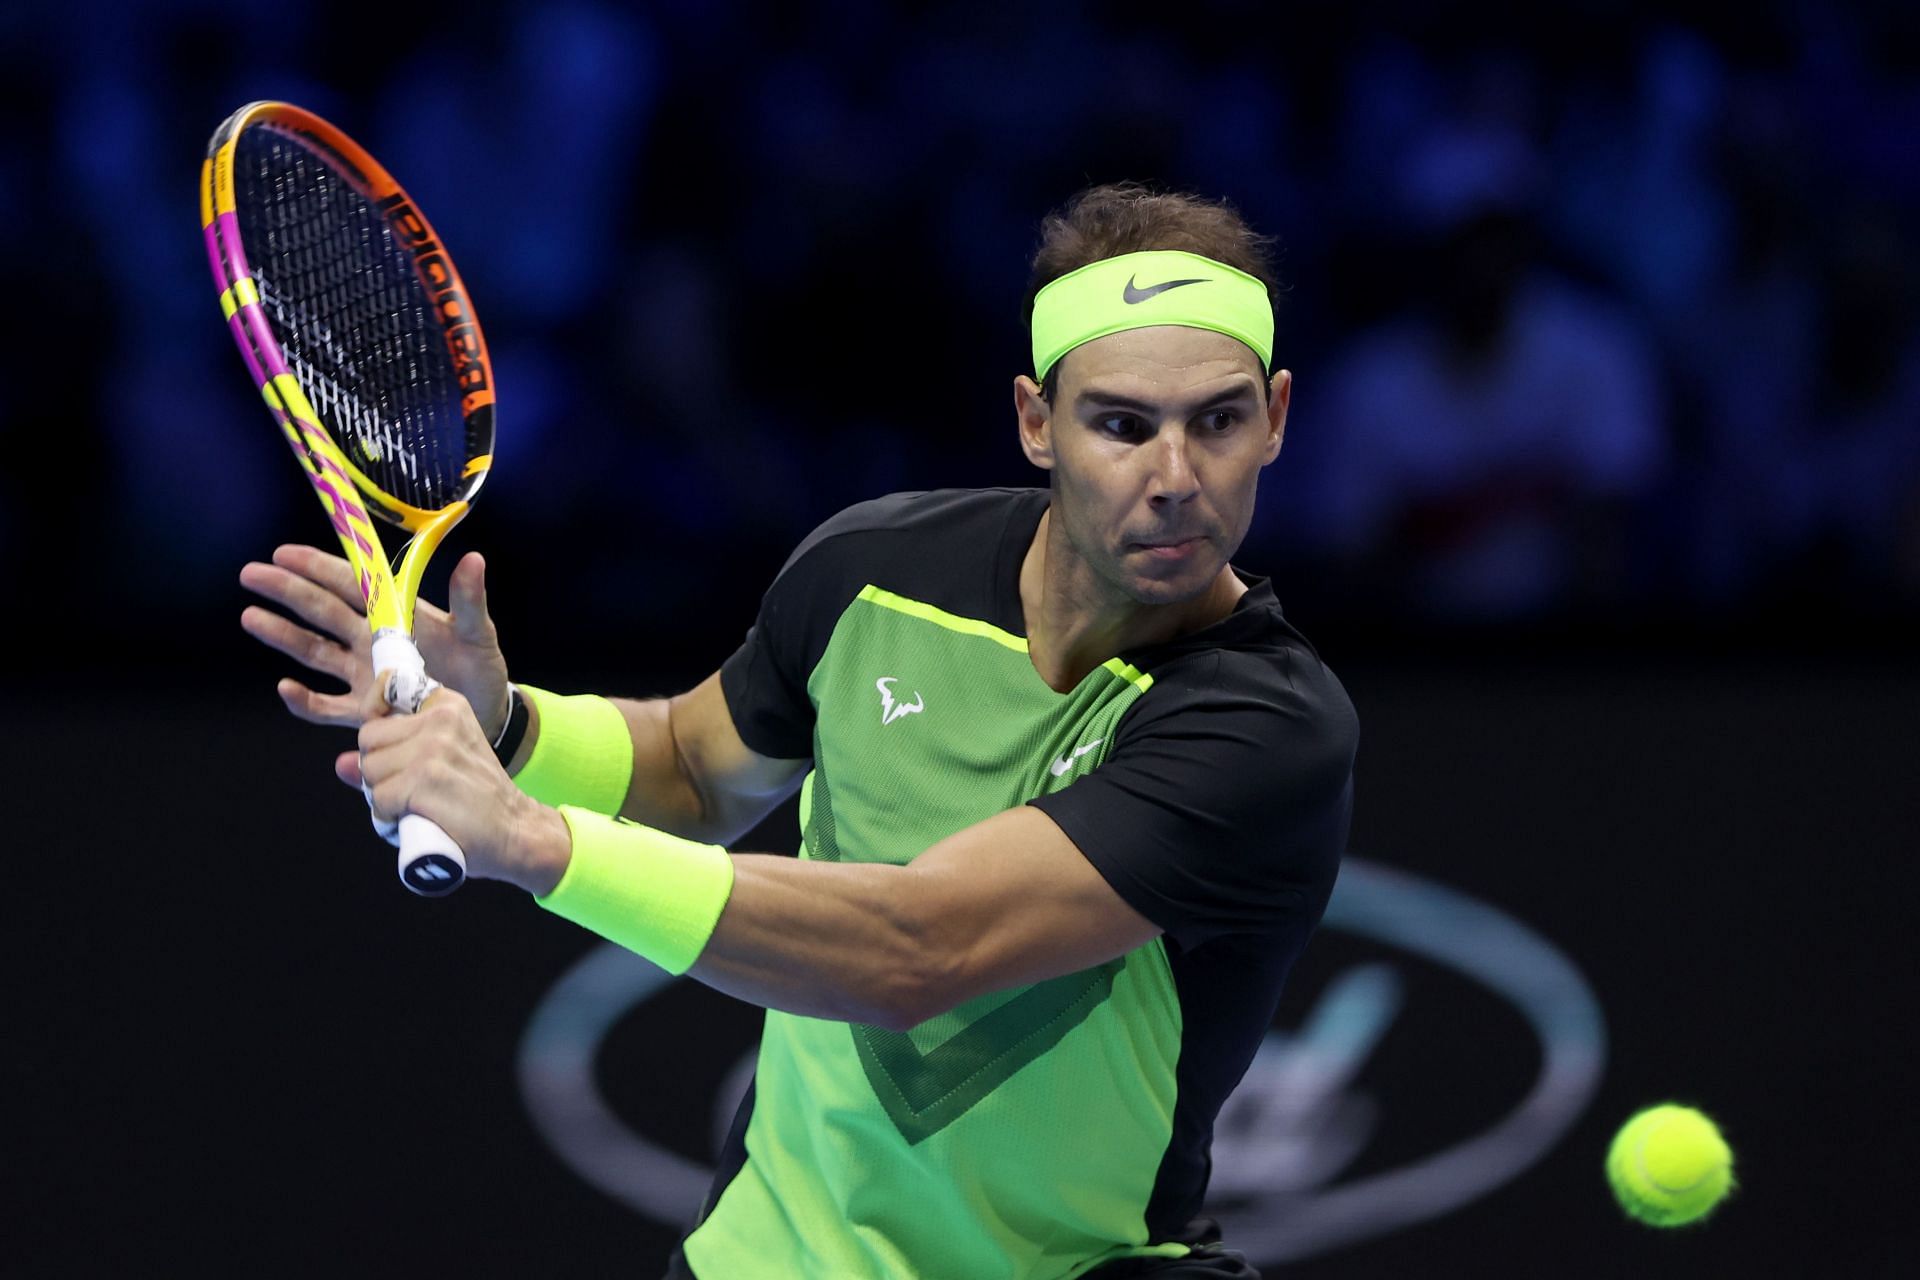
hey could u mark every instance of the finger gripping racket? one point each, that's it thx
(359, 334)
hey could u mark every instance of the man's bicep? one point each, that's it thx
(1012, 901)
(737, 785)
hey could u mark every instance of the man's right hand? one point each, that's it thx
(461, 647)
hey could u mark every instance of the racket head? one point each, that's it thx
(357, 329)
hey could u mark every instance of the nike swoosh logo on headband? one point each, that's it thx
(1135, 294)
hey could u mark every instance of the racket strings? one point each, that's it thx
(353, 319)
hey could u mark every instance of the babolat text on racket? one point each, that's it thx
(360, 336)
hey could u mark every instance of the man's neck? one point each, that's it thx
(1075, 622)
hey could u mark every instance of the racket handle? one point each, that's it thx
(431, 864)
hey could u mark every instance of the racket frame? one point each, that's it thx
(351, 498)
(389, 591)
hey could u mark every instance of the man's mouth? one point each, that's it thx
(1172, 548)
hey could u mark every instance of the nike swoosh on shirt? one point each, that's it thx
(1065, 762)
(1134, 293)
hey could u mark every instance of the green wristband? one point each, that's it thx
(655, 894)
(582, 755)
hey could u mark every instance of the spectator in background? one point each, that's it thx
(1853, 486)
(1483, 446)
(1744, 350)
(1799, 366)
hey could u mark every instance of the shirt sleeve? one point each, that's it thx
(765, 680)
(1225, 804)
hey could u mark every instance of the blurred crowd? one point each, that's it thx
(1603, 312)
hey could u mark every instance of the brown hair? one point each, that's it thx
(1127, 217)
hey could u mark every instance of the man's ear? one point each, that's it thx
(1279, 398)
(1034, 418)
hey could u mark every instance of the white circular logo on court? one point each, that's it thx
(1285, 1141)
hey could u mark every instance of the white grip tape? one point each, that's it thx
(430, 863)
(409, 684)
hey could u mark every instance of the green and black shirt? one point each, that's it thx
(1037, 1133)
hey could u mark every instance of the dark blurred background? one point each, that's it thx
(1601, 491)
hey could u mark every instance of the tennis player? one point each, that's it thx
(1073, 793)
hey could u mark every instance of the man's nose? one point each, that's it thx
(1173, 478)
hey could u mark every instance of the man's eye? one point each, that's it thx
(1120, 424)
(1221, 420)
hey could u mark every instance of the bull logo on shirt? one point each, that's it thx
(891, 710)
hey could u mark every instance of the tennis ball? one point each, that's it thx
(1669, 1165)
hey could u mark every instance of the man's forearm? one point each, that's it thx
(1004, 903)
(664, 792)
(661, 789)
(822, 940)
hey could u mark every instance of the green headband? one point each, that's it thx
(1137, 290)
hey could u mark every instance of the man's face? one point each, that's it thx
(1155, 439)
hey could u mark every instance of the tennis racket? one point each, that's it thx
(359, 334)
